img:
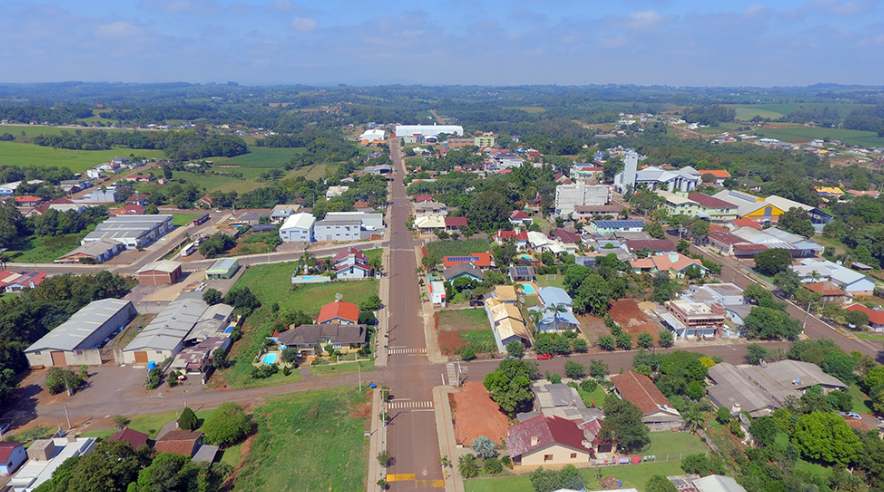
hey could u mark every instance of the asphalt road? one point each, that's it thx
(732, 271)
(411, 435)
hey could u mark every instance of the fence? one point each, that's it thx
(635, 460)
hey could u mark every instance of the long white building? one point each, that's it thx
(579, 194)
(427, 130)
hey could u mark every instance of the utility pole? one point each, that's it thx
(185, 398)
(66, 414)
(359, 371)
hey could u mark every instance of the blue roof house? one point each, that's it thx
(555, 311)
(611, 226)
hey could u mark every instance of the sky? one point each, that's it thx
(488, 42)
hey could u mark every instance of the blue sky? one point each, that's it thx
(672, 42)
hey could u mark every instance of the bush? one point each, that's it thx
(154, 378)
(665, 338)
(467, 353)
(492, 466)
(579, 345)
(264, 371)
(575, 370)
(555, 379)
(227, 425)
(515, 348)
(589, 385)
(606, 342)
(723, 415)
(484, 447)
(702, 465)
(58, 380)
(188, 420)
(289, 355)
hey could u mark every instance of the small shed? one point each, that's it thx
(160, 272)
(224, 268)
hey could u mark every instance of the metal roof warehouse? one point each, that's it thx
(132, 230)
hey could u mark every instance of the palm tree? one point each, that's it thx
(535, 316)
(556, 310)
(693, 417)
(468, 466)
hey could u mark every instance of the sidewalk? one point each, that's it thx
(427, 313)
(447, 443)
(383, 319)
(378, 442)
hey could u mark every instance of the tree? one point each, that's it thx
(58, 380)
(574, 277)
(623, 423)
(187, 420)
(373, 303)
(492, 466)
(764, 430)
(841, 366)
(655, 230)
(510, 385)
(429, 261)
(723, 415)
(384, 458)
(227, 425)
(597, 368)
(645, 340)
(468, 466)
(484, 447)
(242, 299)
(827, 437)
(702, 464)
(575, 370)
(515, 348)
(549, 480)
(212, 296)
(797, 221)
(659, 483)
(874, 378)
(693, 417)
(858, 319)
(606, 342)
(624, 340)
(787, 281)
(756, 353)
(579, 345)
(593, 296)
(683, 246)
(219, 359)
(773, 261)
(488, 210)
(112, 466)
(766, 323)
(665, 338)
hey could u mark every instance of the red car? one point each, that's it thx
(544, 356)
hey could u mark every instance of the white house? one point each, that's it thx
(334, 191)
(579, 194)
(297, 227)
(684, 179)
(437, 292)
(850, 281)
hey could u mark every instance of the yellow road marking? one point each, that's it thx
(439, 483)
(400, 477)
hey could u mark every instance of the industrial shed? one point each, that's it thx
(159, 272)
(222, 269)
(131, 230)
(78, 340)
(164, 337)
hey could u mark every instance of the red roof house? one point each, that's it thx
(548, 441)
(455, 223)
(339, 313)
(134, 438)
(130, 209)
(423, 198)
(641, 392)
(737, 223)
(876, 318)
(481, 260)
(28, 201)
(179, 442)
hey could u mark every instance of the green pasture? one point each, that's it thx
(78, 161)
(747, 111)
(804, 133)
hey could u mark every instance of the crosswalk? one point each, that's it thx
(393, 351)
(395, 405)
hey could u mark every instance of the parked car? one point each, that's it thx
(544, 356)
(476, 303)
(4, 428)
(852, 415)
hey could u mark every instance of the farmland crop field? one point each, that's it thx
(24, 154)
(747, 111)
(801, 133)
(260, 157)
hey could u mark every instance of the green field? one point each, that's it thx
(47, 249)
(460, 247)
(330, 370)
(806, 133)
(632, 476)
(465, 319)
(181, 219)
(861, 402)
(597, 396)
(551, 280)
(32, 131)
(149, 423)
(308, 441)
(773, 111)
(258, 157)
(667, 446)
(23, 154)
(273, 283)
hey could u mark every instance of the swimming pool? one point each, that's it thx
(269, 359)
(527, 257)
(528, 289)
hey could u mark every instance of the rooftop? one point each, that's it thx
(339, 309)
(331, 333)
(540, 431)
(72, 333)
(640, 390)
(167, 266)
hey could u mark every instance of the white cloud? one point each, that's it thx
(116, 30)
(830, 7)
(304, 24)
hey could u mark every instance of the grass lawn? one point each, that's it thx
(861, 402)
(232, 455)
(149, 423)
(273, 283)
(598, 396)
(46, 249)
(466, 319)
(460, 247)
(479, 340)
(673, 444)
(871, 336)
(308, 441)
(812, 468)
(632, 476)
(25, 154)
(258, 157)
(551, 280)
(181, 219)
(342, 369)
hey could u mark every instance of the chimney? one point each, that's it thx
(534, 440)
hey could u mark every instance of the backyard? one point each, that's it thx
(465, 327)
(311, 440)
(632, 476)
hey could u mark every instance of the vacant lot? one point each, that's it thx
(46, 249)
(462, 247)
(462, 327)
(667, 446)
(25, 154)
(309, 441)
(476, 414)
(273, 283)
(593, 327)
(632, 476)
(632, 319)
(259, 157)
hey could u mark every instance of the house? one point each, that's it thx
(28, 201)
(430, 208)
(717, 483)
(45, 456)
(128, 210)
(482, 260)
(652, 245)
(547, 441)
(137, 198)
(197, 359)
(334, 191)
(430, 222)
(437, 292)
(223, 268)
(132, 230)
(342, 337)
(677, 204)
(179, 441)
(570, 196)
(338, 313)
(694, 319)
(12, 455)
(748, 184)
(455, 223)
(507, 160)
(62, 204)
(298, 227)
(611, 226)
(159, 272)
(657, 413)
(94, 252)
(283, 211)
(348, 226)
(520, 238)
(828, 291)
(568, 240)
(541, 243)
(674, 263)
(465, 270)
(133, 437)
(720, 175)
(140, 178)
(520, 219)
(717, 211)
(109, 195)
(876, 316)
(586, 171)
(735, 391)
(521, 273)
(850, 281)
(505, 294)
(555, 311)
(24, 281)
(507, 324)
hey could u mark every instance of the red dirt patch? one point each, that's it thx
(362, 412)
(632, 319)
(592, 327)
(477, 415)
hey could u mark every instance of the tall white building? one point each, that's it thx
(427, 130)
(579, 194)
